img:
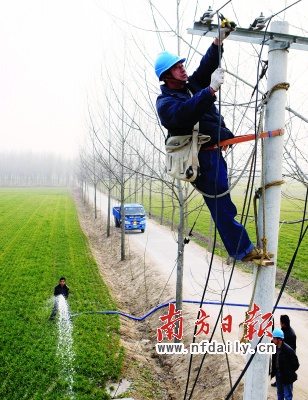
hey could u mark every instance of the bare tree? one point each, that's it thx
(29, 168)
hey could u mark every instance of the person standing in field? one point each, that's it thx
(185, 101)
(60, 289)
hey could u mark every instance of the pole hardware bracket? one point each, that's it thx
(279, 45)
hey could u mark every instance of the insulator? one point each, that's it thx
(207, 17)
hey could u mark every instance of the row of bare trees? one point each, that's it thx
(124, 147)
(28, 169)
(123, 151)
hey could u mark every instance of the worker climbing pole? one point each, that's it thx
(269, 194)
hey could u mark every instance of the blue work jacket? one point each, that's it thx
(179, 111)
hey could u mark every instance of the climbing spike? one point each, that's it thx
(264, 263)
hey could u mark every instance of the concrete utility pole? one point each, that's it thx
(279, 41)
(256, 377)
(180, 257)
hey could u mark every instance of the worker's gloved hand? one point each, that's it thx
(225, 29)
(217, 79)
(223, 33)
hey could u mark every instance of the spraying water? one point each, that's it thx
(65, 344)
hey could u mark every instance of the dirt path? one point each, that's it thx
(146, 279)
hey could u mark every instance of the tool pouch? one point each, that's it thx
(182, 155)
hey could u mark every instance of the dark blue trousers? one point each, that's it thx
(214, 180)
(284, 392)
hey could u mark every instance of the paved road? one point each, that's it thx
(160, 247)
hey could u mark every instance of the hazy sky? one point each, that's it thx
(52, 52)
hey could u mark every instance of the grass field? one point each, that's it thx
(41, 240)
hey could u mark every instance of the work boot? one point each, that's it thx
(256, 254)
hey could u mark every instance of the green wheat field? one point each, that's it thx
(41, 240)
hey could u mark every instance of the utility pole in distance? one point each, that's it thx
(279, 41)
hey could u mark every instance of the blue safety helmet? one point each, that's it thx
(164, 61)
(278, 333)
